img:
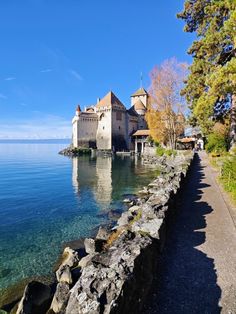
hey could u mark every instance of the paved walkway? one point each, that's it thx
(197, 271)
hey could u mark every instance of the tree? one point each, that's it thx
(165, 113)
(211, 84)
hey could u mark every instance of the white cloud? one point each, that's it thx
(43, 127)
(46, 71)
(76, 75)
(11, 78)
(3, 96)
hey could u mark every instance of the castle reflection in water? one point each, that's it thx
(108, 178)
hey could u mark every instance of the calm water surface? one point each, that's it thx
(47, 200)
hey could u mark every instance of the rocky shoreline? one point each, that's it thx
(74, 152)
(112, 272)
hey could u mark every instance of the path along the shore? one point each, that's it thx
(197, 269)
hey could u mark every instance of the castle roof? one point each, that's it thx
(132, 112)
(140, 92)
(139, 105)
(90, 110)
(142, 133)
(78, 108)
(109, 101)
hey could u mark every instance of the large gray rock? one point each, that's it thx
(151, 227)
(102, 287)
(63, 274)
(103, 233)
(60, 298)
(86, 260)
(89, 245)
(36, 299)
(70, 257)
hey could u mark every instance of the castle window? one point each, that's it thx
(103, 127)
(118, 115)
(119, 127)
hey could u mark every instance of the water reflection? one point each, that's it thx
(95, 174)
(109, 178)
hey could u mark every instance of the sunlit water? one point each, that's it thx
(47, 200)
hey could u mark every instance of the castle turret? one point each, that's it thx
(142, 95)
(75, 121)
(78, 111)
(139, 103)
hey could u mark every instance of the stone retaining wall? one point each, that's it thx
(116, 273)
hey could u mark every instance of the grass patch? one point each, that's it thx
(228, 175)
(226, 166)
(161, 151)
(137, 217)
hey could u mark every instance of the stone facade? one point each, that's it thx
(108, 125)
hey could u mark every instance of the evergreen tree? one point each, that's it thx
(211, 85)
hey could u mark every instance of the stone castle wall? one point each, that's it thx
(103, 135)
(119, 131)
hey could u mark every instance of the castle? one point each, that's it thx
(108, 125)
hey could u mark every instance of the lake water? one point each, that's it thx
(47, 199)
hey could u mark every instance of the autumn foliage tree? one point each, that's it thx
(165, 113)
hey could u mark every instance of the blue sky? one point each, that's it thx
(57, 53)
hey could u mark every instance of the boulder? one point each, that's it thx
(70, 257)
(36, 299)
(60, 298)
(89, 245)
(115, 279)
(63, 274)
(134, 209)
(125, 218)
(103, 233)
(85, 261)
(150, 227)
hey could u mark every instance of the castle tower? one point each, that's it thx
(139, 103)
(75, 121)
(140, 95)
(111, 132)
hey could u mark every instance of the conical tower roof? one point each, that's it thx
(109, 101)
(139, 105)
(78, 109)
(140, 92)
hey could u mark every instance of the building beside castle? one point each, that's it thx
(108, 125)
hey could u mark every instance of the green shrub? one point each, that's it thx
(216, 143)
(229, 169)
(228, 175)
(157, 144)
(171, 152)
(160, 151)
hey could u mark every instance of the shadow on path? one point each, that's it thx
(186, 279)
